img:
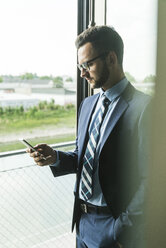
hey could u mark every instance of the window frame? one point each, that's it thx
(87, 16)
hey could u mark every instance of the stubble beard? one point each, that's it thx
(103, 78)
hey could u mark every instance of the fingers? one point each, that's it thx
(37, 151)
(39, 147)
(38, 158)
(44, 154)
(43, 162)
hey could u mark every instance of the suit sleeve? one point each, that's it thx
(68, 161)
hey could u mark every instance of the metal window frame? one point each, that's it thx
(85, 19)
(82, 24)
(23, 151)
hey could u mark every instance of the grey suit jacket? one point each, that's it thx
(123, 161)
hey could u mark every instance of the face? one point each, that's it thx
(98, 72)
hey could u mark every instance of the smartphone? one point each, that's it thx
(30, 146)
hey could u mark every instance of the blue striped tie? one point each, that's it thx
(87, 171)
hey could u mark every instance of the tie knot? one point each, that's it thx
(105, 101)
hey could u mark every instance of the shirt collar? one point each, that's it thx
(115, 91)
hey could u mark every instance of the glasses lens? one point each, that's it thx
(83, 66)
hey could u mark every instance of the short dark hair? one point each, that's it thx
(104, 39)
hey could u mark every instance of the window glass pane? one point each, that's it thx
(37, 71)
(136, 22)
(35, 207)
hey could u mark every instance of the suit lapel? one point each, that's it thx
(119, 109)
(117, 112)
(87, 112)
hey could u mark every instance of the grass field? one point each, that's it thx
(16, 122)
(16, 145)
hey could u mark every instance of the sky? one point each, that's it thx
(38, 36)
(136, 22)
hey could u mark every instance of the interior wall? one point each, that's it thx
(156, 209)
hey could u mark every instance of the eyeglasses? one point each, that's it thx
(86, 65)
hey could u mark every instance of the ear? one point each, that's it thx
(113, 60)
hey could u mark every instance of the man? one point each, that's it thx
(110, 155)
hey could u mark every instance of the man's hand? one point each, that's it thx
(44, 155)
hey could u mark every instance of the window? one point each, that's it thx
(37, 72)
(136, 22)
(37, 102)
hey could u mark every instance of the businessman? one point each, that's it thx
(111, 153)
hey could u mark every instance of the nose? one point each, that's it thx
(83, 72)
